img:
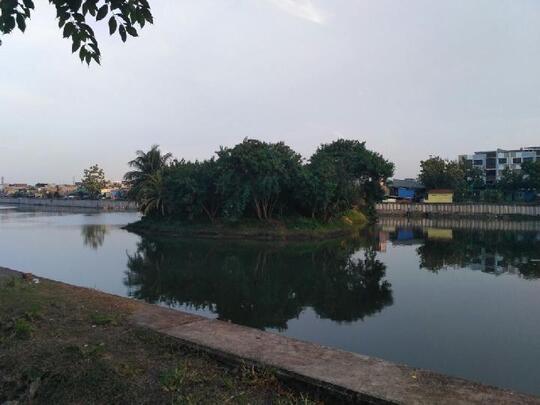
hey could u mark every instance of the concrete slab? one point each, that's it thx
(361, 378)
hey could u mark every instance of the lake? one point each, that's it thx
(450, 298)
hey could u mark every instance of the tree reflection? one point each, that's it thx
(489, 251)
(93, 235)
(261, 285)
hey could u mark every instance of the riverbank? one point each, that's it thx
(63, 344)
(67, 344)
(101, 205)
(295, 229)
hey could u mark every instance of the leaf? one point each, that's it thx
(82, 53)
(132, 31)
(122, 32)
(69, 28)
(20, 22)
(28, 3)
(102, 12)
(76, 44)
(112, 25)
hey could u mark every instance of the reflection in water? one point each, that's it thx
(93, 235)
(490, 251)
(261, 285)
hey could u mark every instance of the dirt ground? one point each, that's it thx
(61, 344)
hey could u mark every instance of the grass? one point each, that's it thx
(287, 228)
(61, 344)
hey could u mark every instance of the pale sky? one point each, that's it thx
(412, 78)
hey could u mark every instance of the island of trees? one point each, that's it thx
(255, 182)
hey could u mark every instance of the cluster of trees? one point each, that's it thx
(468, 183)
(260, 180)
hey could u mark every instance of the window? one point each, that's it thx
(502, 161)
(517, 160)
(528, 159)
(478, 162)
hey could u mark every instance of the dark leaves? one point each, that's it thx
(122, 31)
(102, 12)
(127, 17)
(20, 22)
(112, 25)
(132, 31)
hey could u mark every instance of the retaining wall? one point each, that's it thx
(106, 205)
(470, 210)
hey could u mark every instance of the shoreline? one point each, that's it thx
(241, 232)
(343, 376)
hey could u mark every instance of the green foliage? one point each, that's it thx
(23, 329)
(123, 16)
(260, 180)
(93, 181)
(466, 180)
(145, 165)
(258, 173)
(531, 172)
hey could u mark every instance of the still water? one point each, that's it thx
(458, 301)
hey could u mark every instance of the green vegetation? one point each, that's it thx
(93, 181)
(266, 185)
(61, 344)
(123, 16)
(468, 183)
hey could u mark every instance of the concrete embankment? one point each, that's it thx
(478, 224)
(462, 210)
(344, 375)
(105, 205)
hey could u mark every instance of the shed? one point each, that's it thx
(440, 196)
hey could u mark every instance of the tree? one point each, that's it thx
(259, 173)
(351, 175)
(433, 173)
(531, 172)
(145, 165)
(153, 195)
(123, 16)
(93, 181)
(510, 182)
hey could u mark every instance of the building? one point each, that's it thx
(440, 196)
(407, 189)
(493, 163)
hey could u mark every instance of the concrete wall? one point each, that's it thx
(470, 210)
(483, 224)
(106, 205)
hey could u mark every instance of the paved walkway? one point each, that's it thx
(358, 377)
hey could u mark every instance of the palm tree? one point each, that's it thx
(152, 195)
(145, 165)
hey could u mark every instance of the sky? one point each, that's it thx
(410, 78)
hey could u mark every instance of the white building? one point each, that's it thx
(494, 162)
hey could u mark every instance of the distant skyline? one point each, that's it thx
(412, 79)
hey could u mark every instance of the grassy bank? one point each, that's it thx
(295, 229)
(62, 344)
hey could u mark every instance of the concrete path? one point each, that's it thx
(360, 378)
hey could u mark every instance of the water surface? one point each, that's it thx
(448, 298)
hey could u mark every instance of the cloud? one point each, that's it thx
(302, 9)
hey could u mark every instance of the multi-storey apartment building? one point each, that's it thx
(494, 162)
